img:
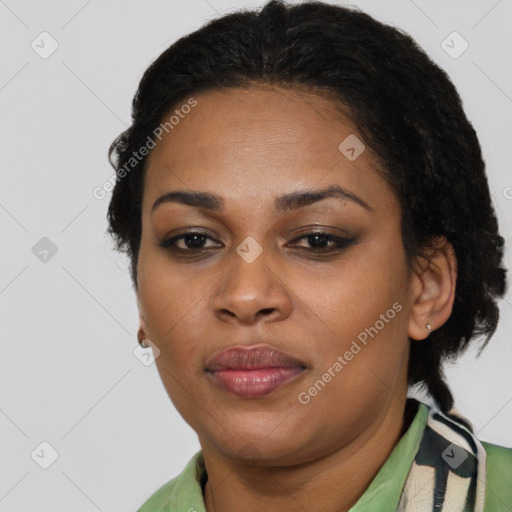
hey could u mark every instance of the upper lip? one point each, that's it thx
(251, 358)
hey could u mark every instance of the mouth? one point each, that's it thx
(252, 372)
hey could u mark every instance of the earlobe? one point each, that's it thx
(141, 335)
(432, 290)
(142, 332)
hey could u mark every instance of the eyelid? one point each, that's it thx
(337, 243)
(168, 240)
(314, 228)
(306, 230)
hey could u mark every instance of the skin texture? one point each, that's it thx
(274, 452)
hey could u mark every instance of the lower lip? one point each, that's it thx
(254, 383)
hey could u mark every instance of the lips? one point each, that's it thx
(251, 372)
(252, 358)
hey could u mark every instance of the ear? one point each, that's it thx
(142, 333)
(432, 289)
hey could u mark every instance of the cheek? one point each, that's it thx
(365, 310)
(360, 289)
(174, 318)
(176, 306)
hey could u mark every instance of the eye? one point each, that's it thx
(193, 243)
(322, 242)
(190, 242)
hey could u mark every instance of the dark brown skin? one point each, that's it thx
(275, 453)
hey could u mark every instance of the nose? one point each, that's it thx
(251, 293)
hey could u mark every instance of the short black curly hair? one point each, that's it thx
(407, 110)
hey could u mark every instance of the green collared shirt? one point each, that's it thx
(185, 492)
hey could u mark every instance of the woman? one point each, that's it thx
(310, 229)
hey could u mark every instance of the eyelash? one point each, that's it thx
(340, 243)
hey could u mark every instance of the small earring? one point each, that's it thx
(143, 343)
(429, 328)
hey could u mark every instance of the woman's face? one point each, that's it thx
(338, 303)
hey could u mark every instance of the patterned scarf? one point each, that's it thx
(448, 471)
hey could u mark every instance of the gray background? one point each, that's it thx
(68, 373)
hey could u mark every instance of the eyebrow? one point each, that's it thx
(284, 203)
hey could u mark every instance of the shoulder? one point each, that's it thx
(160, 498)
(498, 455)
(499, 477)
(184, 492)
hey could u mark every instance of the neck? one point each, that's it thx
(331, 483)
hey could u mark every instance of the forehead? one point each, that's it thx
(260, 139)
